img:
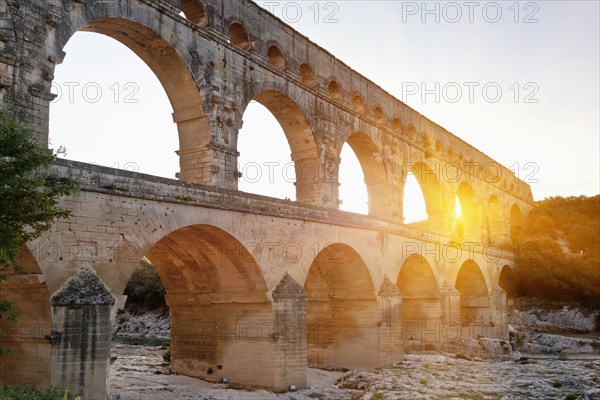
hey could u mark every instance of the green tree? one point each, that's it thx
(546, 269)
(145, 290)
(28, 196)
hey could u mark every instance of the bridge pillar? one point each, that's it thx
(28, 339)
(242, 337)
(499, 309)
(317, 181)
(212, 165)
(390, 326)
(82, 330)
(450, 305)
(289, 336)
(385, 201)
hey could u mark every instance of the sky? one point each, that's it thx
(519, 81)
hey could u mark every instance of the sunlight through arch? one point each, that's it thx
(457, 208)
(123, 113)
(353, 190)
(414, 208)
(264, 162)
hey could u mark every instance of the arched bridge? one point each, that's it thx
(258, 288)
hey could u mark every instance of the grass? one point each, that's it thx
(30, 393)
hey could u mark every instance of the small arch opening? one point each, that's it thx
(358, 104)
(335, 91)
(426, 141)
(276, 58)
(194, 11)
(238, 36)
(307, 76)
(412, 133)
(378, 114)
(397, 125)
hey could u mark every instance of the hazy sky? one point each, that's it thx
(543, 56)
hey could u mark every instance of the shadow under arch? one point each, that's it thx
(29, 339)
(299, 135)
(218, 304)
(516, 221)
(174, 66)
(421, 300)
(475, 308)
(374, 171)
(508, 282)
(342, 312)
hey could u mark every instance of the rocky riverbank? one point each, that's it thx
(552, 354)
(139, 373)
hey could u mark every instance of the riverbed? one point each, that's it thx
(140, 373)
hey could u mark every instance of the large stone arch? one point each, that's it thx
(432, 189)
(286, 107)
(215, 291)
(30, 338)
(475, 308)
(421, 300)
(375, 172)
(342, 310)
(173, 61)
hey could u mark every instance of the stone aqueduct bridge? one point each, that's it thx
(258, 288)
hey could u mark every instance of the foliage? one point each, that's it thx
(29, 393)
(29, 197)
(560, 251)
(145, 291)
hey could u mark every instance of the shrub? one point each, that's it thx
(29, 393)
(145, 291)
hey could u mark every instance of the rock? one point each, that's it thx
(553, 320)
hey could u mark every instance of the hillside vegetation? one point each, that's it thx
(559, 257)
